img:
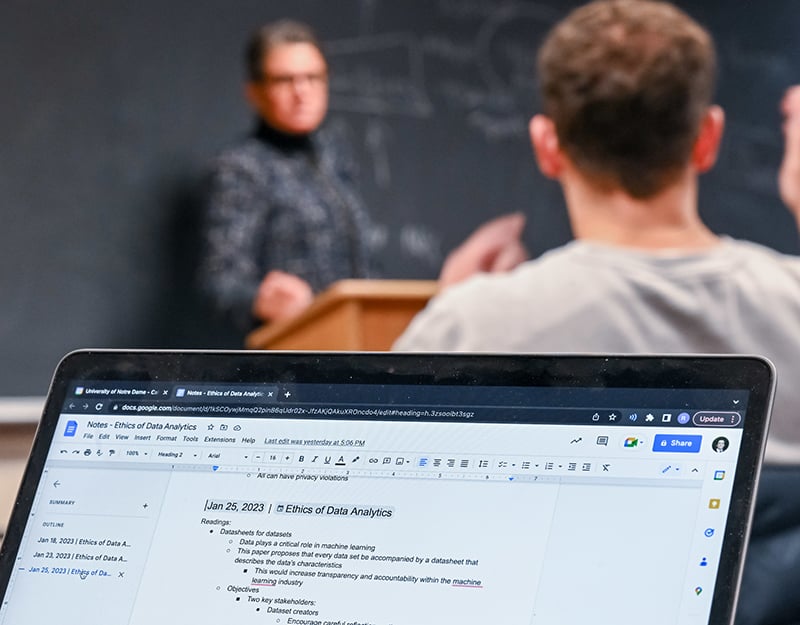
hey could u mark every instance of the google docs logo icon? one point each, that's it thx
(72, 427)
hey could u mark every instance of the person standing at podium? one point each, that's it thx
(283, 218)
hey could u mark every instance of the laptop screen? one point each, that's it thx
(387, 490)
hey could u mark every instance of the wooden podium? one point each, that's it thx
(351, 315)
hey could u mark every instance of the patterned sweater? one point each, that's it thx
(281, 202)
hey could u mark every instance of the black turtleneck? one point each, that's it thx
(283, 141)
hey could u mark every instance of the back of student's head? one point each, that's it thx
(627, 83)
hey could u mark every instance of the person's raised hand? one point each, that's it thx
(495, 246)
(789, 174)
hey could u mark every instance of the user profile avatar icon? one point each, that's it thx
(720, 444)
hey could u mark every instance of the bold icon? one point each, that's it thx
(719, 475)
(631, 441)
(709, 532)
(683, 418)
(71, 429)
(602, 440)
(713, 504)
(698, 590)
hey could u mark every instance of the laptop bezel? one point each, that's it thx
(751, 373)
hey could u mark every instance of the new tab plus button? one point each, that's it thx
(677, 443)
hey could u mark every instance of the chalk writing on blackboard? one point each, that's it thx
(379, 75)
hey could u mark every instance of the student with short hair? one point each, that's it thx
(628, 127)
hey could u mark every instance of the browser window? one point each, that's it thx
(351, 504)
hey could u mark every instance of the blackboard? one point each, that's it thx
(112, 111)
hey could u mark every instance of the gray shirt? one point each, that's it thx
(737, 297)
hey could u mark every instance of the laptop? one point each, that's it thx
(387, 489)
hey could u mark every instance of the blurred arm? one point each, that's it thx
(789, 174)
(495, 246)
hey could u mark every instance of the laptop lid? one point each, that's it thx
(389, 489)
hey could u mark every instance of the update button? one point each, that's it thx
(710, 419)
(677, 443)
